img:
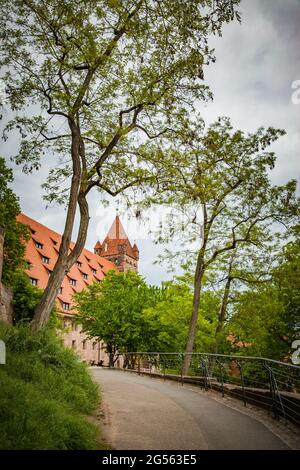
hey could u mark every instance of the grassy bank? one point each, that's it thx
(45, 393)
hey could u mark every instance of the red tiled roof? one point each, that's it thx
(40, 270)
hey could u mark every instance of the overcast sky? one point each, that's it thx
(257, 62)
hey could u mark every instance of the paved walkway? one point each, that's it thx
(145, 413)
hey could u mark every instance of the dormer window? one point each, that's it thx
(34, 281)
(39, 245)
(94, 271)
(66, 306)
(85, 276)
(45, 259)
(60, 290)
(73, 282)
(79, 264)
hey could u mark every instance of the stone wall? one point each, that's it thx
(1, 250)
(6, 308)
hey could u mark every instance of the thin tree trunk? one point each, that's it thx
(196, 303)
(77, 193)
(198, 277)
(65, 260)
(111, 354)
(223, 310)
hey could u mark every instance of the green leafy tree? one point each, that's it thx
(219, 181)
(15, 233)
(246, 267)
(25, 299)
(112, 311)
(105, 77)
(287, 278)
(267, 316)
(169, 318)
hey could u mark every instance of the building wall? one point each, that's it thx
(124, 263)
(89, 350)
(6, 306)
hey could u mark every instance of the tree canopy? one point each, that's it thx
(267, 315)
(105, 76)
(218, 180)
(112, 311)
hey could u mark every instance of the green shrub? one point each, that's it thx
(25, 298)
(44, 393)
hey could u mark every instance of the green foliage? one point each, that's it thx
(25, 299)
(287, 280)
(130, 316)
(225, 208)
(16, 234)
(103, 78)
(168, 319)
(219, 182)
(116, 72)
(113, 310)
(44, 393)
(268, 315)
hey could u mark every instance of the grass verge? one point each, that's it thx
(45, 394)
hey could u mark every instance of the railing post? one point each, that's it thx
(222, 376)
(274, 393)
(132, 363)
(205, 373)
(139, 364)
(242, 382)
(181, 369)
(164, 367)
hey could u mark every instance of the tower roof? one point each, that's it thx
(117, 241)
(116, 231)
(135, 248)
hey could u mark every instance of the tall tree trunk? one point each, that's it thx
(65, 260)
(196, 303)
(198, 277)
(110, 351)
(223, 310)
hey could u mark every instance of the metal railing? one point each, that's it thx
(263, 382)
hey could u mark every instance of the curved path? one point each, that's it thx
(150, 414)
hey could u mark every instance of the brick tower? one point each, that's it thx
(117, 248)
